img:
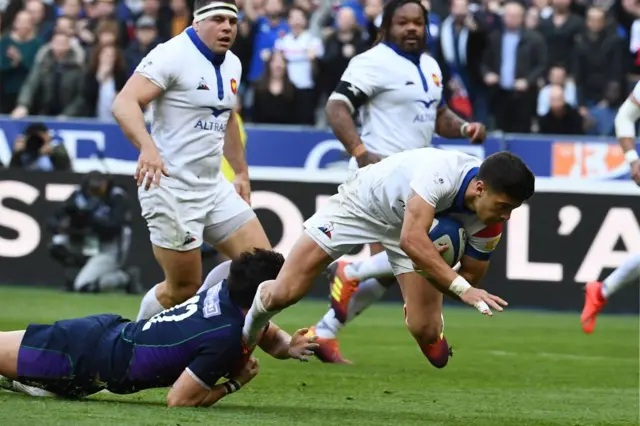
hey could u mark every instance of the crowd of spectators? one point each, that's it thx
(552, 66)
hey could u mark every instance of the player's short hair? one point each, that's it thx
(506, 173)
(198, 4)
(250, 270)
(387, 15)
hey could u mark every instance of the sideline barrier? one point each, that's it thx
(93, 145)
(569, 233)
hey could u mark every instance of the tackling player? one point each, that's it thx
(192, 80)
(189, 347)
(598, 292)
(394, 202)
(397, 88)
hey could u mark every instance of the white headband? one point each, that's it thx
(215, 8)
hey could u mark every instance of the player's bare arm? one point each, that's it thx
(473, 270)
(187, 391)
(625, 124)
(235, 155)
(450, 125)
(339, 114)
(414, 241)
(127, 108)
(279, 344)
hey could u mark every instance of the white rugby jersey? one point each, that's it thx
(440, 177)
(191, 116)
(403, 98)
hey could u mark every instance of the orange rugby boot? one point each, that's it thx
(594, 301)
(328, 350)
(438, 353)
(341, 289)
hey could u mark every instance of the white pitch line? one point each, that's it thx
(564, 356)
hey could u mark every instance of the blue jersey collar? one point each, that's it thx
(463, 189)
(212, 57)
(414, 58)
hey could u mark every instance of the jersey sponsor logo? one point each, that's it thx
(216, 112)
(210, 125)
(429, 115)
(436, 79)
(234, 86)
(202, 85)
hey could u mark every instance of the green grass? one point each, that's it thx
(518, 368)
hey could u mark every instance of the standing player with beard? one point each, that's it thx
(397, 88)
(192, 80)
(598, 292)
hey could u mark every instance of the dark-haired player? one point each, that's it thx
(192, 81)
(394, 202)
(189, 347)
(397, 88)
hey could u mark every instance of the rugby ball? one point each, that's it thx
(448, 231)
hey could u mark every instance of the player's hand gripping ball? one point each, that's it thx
(449, 232)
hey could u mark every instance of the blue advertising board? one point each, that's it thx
(92, 145)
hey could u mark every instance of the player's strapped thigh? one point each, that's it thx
(175, 217)
(229, 213)
(338, 227)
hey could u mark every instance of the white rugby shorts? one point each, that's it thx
(340, 225)
(181, 220)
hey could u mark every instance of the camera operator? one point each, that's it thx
(34, 150)
(92, 232)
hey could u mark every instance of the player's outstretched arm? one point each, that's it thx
(190, 391)
(279, 344)
(415, 242)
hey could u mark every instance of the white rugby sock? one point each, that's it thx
(256, 319)
(368, 292)
(32, 390)
(149, 305)
(626, 273)
(377, 266)
(216, 275)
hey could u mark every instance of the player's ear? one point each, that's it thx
(480, 187)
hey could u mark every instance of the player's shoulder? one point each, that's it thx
(232, 59)
(173, 45)
(430, 63)
(377, 56)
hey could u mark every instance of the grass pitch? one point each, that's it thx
(518, 368)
